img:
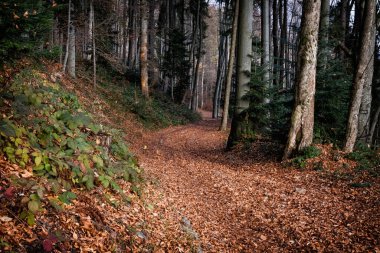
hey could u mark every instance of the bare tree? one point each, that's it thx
(144, 49)
(302, 122)
(363, 78)
(223, 126)
(240, 122)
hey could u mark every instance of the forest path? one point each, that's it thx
(248, 202)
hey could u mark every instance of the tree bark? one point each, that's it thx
(302, 122)
(194, 73)
(275, 42)
(68, 39)
(363, 77)
(265, 41)
(324, 34)
(155, 74)
(240, 123)
(375, 122)
(221, 62)
(144, 50)
(71, 57)
(283, 43)
(92, 20)
(223, 126)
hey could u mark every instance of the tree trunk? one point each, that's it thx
(194, 73)
(343, 26)
(194, 100)
(92, 20)
(144, 49)
(302, 122)
(68, 38)
(275, 42)
(375, 122)
(265, 41)
(362, 79)
(131, 33)
(155, 74)
(223, 126)
(216, 102)
(71, 56)
(240, 123)
(324, 34)
(283, 43)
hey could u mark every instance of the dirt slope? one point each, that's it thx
(245, 202)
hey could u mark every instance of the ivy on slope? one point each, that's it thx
(44, 129)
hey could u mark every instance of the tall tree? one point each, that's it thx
(302, 122)
(265, 40)
(222, 49)
(144, 49)
(363, 77)
(275, 41)
(283, 45)
(226, 107)
(324, 34)
(240, 122)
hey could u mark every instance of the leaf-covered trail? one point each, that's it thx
(248, 202)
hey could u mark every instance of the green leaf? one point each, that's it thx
(98, 160)
(30, 219)
(40, 193)
(54, 203)
(7, 129)
(67, 197)
(39, 167)
(33, 206)
(90, 182)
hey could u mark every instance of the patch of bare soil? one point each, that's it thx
(246, 201)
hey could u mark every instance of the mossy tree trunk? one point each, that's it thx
(302, 122)
(240, 127)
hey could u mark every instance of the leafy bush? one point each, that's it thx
(46, 128)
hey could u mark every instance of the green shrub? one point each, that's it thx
(47, 129)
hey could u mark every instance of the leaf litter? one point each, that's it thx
(247, 201)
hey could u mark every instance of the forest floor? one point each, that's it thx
(247, 201)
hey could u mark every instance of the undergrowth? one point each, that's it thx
(44, 130)
(159, 111)
(367, 160)
(299, 161)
